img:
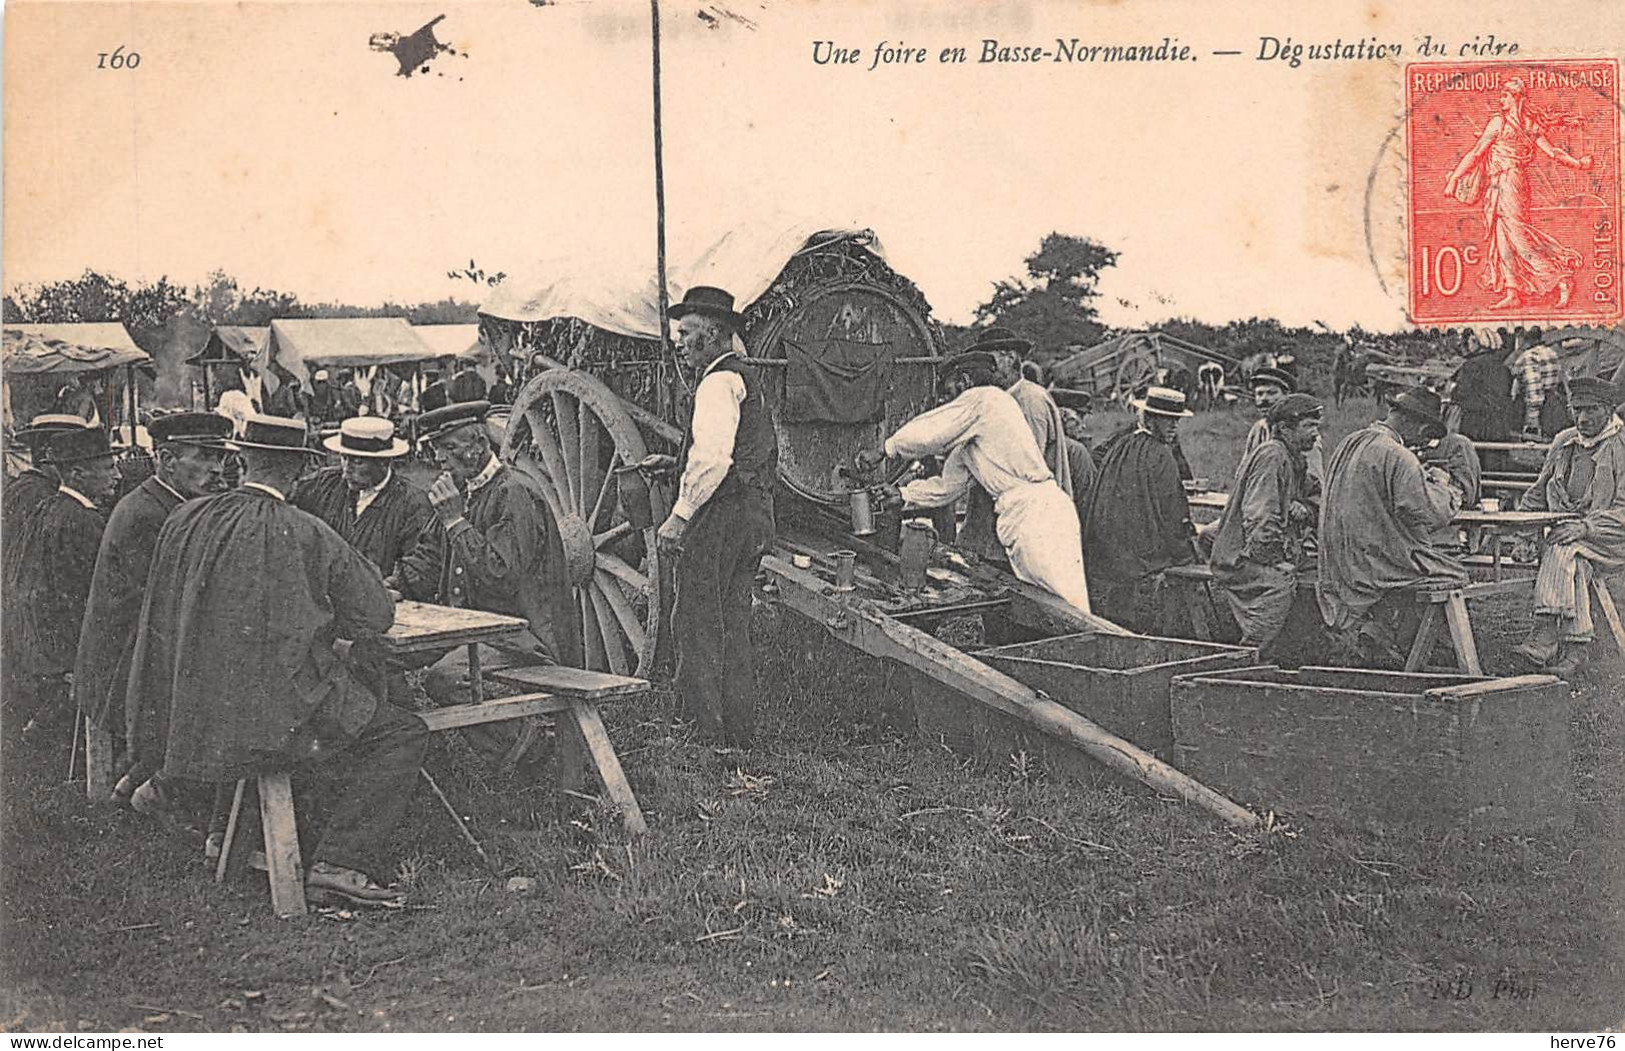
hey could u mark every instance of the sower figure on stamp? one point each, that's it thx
(236, 670)
(722, 521)
(48, 580)
(1258, 545)
(188, 453)
(1584, 472)
(494, 548)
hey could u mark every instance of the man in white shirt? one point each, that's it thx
(722, 522)
(986, 440)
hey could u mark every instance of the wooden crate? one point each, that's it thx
(1119, 681)
(1125, 690)
(1373, 748)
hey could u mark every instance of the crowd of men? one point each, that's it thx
(337, 394)
(214, 626)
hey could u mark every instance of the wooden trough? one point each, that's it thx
(1119, 682)
(1380, 748)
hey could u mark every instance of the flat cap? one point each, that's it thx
(1295, 407)
(437, 422)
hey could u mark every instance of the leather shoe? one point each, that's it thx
(330, 884)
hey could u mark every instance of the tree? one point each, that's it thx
(1054, 306)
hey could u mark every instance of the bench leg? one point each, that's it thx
(1201, 603)
(1610, 612)
(1427, 633)
(591, 729)
(1461, 634)
(233, 818)
(571, 748)
(98, 763)
(281, 845)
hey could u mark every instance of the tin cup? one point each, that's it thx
(846, 569)
(863, 513)
(1490, 504)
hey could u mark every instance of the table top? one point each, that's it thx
(1512, 447)
(1526, 519)
(1208, 498)
(424, 626)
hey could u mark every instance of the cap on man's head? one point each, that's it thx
(1162, 401)
(999, 340)
(1590, 390)
(366, 436)
(1274, 377)
(1294, 407)
(40, 429)
(437, 423)
(708, 302)
(190, 428)
(969, 361)
(319, 374)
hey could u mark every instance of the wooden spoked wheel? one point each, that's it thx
(1137, 369)
(569, 432)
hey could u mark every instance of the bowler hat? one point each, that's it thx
(1592, 390)
(1163, 401)
(1268, 374)
(280, 434)
(711, 302)
(191, 428)
(1421, 403)
(998, 340)
(1069, 398)
(78, 446)
(367, 436)
(437, 422)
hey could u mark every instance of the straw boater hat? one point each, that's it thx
(999, 341)
(280, 434)
(367, 436)
(1590, 390)
(1274, 377)
(712, 303)
(79, 446)
(208, 430)
(1162, 401)
(439, 422)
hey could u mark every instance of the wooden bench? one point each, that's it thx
(565, 691)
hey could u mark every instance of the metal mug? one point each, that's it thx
(914, 552)
(863, 513)
(846, 569)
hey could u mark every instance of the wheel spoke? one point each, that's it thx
(613, 534)
(598, 504)
(625, 615)
(614, 647)
(528, 464)
(593, 474)
(547, 447)
(592, 636)
(567, 410)
(621, 571)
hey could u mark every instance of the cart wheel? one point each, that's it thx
(1137, 368)
(568, 432)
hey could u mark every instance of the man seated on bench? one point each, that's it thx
(1584, 473)
(1378, 525)
(1259, 542)
(235, 671)
(495, 548)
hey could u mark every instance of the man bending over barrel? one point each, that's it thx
(987, 441)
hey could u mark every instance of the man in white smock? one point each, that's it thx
(985, 439)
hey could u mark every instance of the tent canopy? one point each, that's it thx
(624, 299)
(78, 347)
(232, 342)
(302, 344)
(452, 341)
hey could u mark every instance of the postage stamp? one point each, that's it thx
(1514, 180)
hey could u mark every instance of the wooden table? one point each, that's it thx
(1208, 499)
(1493, 525)
(423, 626)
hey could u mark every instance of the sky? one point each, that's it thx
(269, 141)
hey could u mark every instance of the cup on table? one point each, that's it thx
(1490, 504)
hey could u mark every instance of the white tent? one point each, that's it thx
(303, 344)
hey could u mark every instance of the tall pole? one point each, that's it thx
(668, 357)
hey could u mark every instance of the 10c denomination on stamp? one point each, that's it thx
(1514, 179)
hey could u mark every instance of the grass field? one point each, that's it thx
(843, 875)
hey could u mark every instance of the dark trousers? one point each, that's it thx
(716, 671)
(1134, 604)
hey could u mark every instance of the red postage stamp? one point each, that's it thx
(1514, 191)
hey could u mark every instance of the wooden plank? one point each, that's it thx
(233, 818)
(98, 763)
(1461, 634)
(423, 626)
(1469, 690)
(1610, 612)
(1521, 519)
(281, 845)
(879, 635)
(1427, 633)
(460, 715)
(608, 765)
(575, 683)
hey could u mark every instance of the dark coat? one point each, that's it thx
(1139, 521)
(101, 672)
(234, 662)
(392, 525)
(47, 583)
